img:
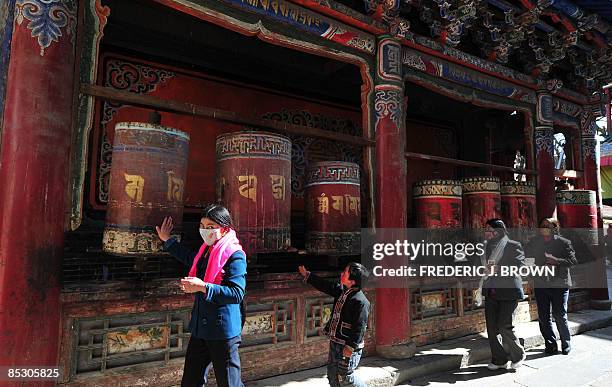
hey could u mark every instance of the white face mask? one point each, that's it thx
(210, 236)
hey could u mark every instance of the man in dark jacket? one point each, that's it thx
(502, 294)
(347, 325)
(550, 249)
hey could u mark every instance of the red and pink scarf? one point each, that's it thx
(220, 253)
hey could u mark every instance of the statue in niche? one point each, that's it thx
(519, 163)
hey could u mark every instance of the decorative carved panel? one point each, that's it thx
(425, 303)
(112, 342)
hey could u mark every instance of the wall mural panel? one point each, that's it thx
(306, 150)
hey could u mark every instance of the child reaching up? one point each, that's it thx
(347, 325)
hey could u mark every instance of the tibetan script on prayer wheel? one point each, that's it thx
(253, 182)
(333, 208)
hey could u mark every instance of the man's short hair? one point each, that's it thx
(358, 273)
(556, 226)
(498, 225)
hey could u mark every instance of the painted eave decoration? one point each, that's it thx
(600, 7)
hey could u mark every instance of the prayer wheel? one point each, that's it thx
(481, 200)
(254, 183)
(518, 204)
(437, 203)
(147, 183)
(577, 208)
(333, 208)
(577, 213)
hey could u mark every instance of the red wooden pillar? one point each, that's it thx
(545, 157)
(608, 110)
(392, 305)
(35, 149)
(591, 181)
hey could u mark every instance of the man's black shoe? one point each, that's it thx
(566, 351)
(551, 351)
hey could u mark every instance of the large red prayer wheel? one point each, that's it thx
(333, 208)
(577, 208)
(147, 183)
(437, 204)
(518, 204)
(481, 201)
(254, 183)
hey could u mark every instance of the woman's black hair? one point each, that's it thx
(218, 214)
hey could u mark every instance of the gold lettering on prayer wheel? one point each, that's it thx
(147, 183)
(253, 177)
(333, 208)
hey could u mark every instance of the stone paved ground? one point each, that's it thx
(589, 364)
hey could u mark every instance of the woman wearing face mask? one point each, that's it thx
(550, 249)
(217, 277)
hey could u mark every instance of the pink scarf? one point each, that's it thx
(220, 253)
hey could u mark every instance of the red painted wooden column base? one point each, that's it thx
(33, 174)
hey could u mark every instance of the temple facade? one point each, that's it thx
(395, 99)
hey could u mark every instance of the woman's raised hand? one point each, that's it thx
(165, 230)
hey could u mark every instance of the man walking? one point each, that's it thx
(502, 294)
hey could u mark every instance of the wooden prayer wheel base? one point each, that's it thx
(333, 243)
(126, 241)
(265, 240)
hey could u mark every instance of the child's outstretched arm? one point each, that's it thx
(321, 284)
